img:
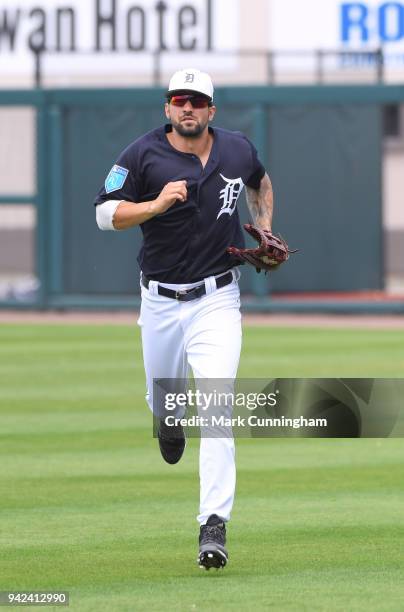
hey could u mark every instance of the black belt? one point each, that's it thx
(186, 295)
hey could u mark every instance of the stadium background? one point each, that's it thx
(86, 504)
(324, 105)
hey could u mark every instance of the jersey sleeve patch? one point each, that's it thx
(115, 178)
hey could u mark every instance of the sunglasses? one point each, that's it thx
(196, 101)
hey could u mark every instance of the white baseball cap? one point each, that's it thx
(191, 79)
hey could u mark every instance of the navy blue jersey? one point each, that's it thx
(187, 242)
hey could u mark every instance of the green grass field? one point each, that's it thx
(87, 505)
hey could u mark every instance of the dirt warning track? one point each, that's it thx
(269, 320)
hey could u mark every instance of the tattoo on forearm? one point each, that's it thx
(260, 203)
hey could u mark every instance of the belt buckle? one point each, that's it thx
(179, 293)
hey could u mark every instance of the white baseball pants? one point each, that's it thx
(203, 335)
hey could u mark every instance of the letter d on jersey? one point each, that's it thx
(116, 178)
(230, 195)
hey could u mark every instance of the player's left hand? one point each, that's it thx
(271, 252)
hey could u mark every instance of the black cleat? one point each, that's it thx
(171, 442)
(212, 540)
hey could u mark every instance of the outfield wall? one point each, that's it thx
(322, 146)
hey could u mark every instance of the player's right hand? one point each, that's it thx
(177, 190)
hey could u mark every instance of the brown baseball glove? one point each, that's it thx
(271, 252)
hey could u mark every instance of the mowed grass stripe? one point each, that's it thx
(87, 505)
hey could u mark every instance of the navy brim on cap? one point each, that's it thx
(178, 92)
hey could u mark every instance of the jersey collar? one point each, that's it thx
(213, 157)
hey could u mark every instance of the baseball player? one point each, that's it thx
(180, 183)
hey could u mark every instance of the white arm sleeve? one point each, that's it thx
(105, 213)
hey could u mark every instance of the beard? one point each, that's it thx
(192, 131)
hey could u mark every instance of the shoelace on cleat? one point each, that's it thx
(213, 533)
